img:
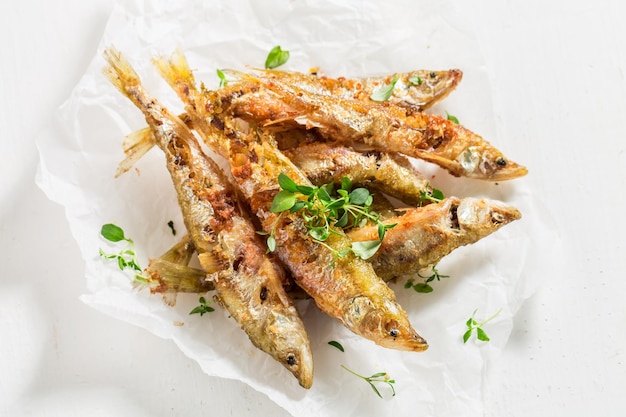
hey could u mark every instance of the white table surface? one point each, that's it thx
(558, 74)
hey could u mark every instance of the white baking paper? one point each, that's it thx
(80, 152)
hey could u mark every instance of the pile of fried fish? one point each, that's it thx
(315, 130)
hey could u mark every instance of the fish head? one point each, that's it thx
(291, 348)
(388, 327)
(484, 216)
(488, 163)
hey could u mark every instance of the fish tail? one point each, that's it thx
(176, 71)
(122, 75)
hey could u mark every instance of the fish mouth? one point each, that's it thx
(510, 172)
(472, 213)
(389, 332)
(405, 340)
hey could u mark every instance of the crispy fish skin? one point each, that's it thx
(249, 285)
(417, 90)
(390, 173)
(422, 236)
(346, 289)
(391, 128)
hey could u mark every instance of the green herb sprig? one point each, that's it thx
(222, 78)
(276, 57)
(472, 324)
(203, 308)
(337, 345)
(126, 258)
(324, 209)
(452, 118)
(384, 92)
(424, 287)
(434, 195)
(379, 377)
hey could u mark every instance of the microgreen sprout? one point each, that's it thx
(202, 308)
(336, 344)
(325, 209)
(126, 258)
(434, 195)
(383, 93)
(424, 287)
(379, 377)
(222, 77)
(452, 118)
(276, 57)
(472, 324)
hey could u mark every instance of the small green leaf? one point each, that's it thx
(437, 194)
(337, 345)
(367, 249)
(284, 200)
(408, 284)
(467, 335)
(452, 118)
(121, 262)
(271, 244)
(346, 183)
(319, 234)
(276, 57)
(416, 80)
(384, 92)
(481, 335)
(299, 205)
(359, 196)
(335, 204)
(202, 300)
(112, 233)
(222, 78)
(375, 389)
(381, 231)
(306, 190)
(287, 183)
(343, 220)
(323, 194)
(422, 288)
(378, 375)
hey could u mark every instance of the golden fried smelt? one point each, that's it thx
(417, 90)
(424, 235)
(249, 284)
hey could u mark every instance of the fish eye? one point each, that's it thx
(291, 359)
(500, 161)
(497, 218)
(394, 332)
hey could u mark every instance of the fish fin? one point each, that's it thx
(210, 263)
(135, 146)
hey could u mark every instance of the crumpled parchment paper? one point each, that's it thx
(80, 152)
